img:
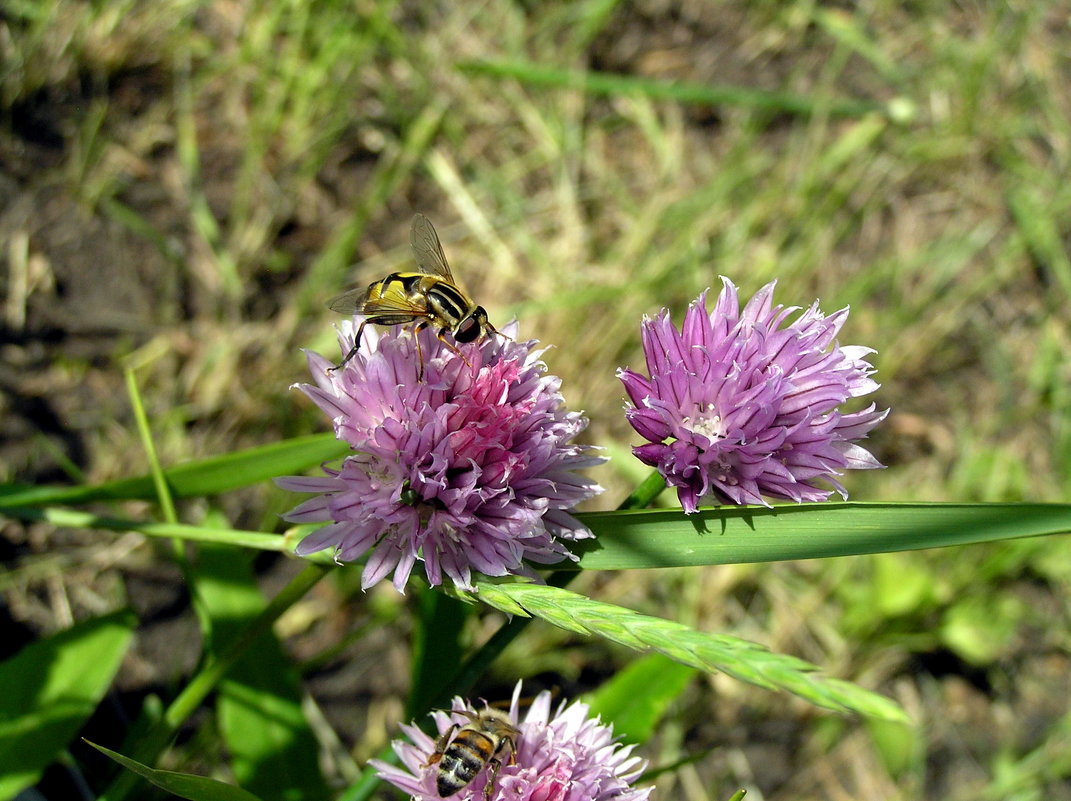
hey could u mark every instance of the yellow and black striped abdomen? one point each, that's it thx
(399, 293)
(462, 760)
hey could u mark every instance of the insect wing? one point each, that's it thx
(427, 248)
(349, 302)
(390, 297)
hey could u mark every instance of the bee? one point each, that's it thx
(429, 297)
(480, 743)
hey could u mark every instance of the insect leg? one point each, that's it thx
(495, 762)
(492, 773)
(496, 332)
(353, 351)
(440, 746)
(420, 356)
(441, 335)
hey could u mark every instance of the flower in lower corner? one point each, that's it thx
(549, 755)
(464, 463)
(741, 405)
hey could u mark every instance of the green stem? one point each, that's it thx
(194, 693)
(644, 495)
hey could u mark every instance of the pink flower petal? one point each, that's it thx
(741, 404)
(455, 472)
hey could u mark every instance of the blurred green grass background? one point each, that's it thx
(186, 182)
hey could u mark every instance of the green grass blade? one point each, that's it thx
(638, 695)
(70, 518)
(1039, 224)
(156, 470)
(741, 659)
(649, 539)
(50, 688)
(209, 476)
(809, 531)
(184, 785)
(273, 752)
(332, 265)
(605, 84)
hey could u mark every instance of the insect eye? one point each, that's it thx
(468, 330)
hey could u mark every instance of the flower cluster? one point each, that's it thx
(740, 405)
(463, 463)
(561, 755)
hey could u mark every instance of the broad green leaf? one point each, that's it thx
(202, 477)
(736, 657)
(273, 751)
(184, 785)
(732, 535)
(637, 697)
(50, 688)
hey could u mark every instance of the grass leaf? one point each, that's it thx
(202, 477)
(50, 688)
(808, 531)
(184, 785)
(606, 84)
(736, 657)
(73, 518)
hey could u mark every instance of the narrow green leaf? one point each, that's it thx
(734, 535)
(736, 657)
(194, 479)
(50, 688)
(608, 84)
(1040, 227)
(637, 697)
(273, 752)
(156, 470)
(737, 535)
(851, 31)
(184, 785)
(71, 518)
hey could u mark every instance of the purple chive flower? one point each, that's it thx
(560, 756)
(468, 467)
(741, 404)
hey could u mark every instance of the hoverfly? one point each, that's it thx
(429, 297)
(480, 743)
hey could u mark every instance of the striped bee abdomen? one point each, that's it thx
(462, 760)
